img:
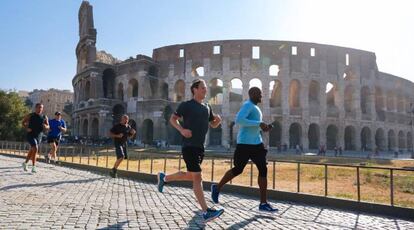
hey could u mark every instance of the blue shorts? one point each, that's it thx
(33, 139)
(121, 151)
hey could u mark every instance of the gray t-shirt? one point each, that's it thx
(196, 118)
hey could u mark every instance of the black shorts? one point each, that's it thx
(53, 139)
(244, 153)
(34, 140)
(121, 151)
(193, 156)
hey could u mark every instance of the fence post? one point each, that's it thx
(358, 185)
(179, 162)
(392, 186)
(165, 164)
(107, 156)
(89, 154)
(212, 169)
(231, 165)
(298, 176)
(151, 164)
(274, 175)
(73, 153)
(80, 155)
(139, 162)
(326, 180)
(251, 174)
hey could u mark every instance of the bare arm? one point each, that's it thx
(216, 122)
(25, 122)
(174, 122)
(46, 123)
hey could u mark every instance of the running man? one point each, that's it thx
(34, 123)
(120, 133)
(196, 117)
(249, 146)
(57, 127)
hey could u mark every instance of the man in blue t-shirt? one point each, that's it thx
(57, 127)
(249, 147)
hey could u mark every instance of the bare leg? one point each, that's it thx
(226, 178)
(29, 154)
(198, 190)
(262, 181)
(52, 152)
(179, 176)
(118, 162)
(34, 154)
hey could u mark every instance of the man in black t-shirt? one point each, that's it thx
(34, 123)
(120, 133)
(196, 116)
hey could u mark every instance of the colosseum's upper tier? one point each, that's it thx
(314, 94)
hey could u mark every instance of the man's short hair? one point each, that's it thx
(253, 89)
(38, 105)
(195, 84)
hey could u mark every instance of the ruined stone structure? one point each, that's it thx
(313, 94)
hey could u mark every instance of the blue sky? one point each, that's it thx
(38, 38)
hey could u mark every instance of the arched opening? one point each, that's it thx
(275, 135)
(400, 105)
(236, 90)
(380, 139)
(295, 134)
(391, 140)
(255, 82)
(330, 91)
(215, 136)
(294, 94)
(147, 131)
(198, 72)
(87, 91)
(216, 92)
(117, 112)
(133, 125)
(108, 79)
(164, 91)
(120, 91)
(331, 137)
(401, 140)
(313, 98)
(409, 141)
(365, 100)
(274, 70)
(349, 99)
(350, 138)
(95, 127)
(275, 97)
(85, 128)
(313, 136)
(132, 88)
(179, 91)
(366, 139)
(390, 101)
(379, 104)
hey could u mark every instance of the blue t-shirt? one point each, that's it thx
(54, 131)
(249, 118)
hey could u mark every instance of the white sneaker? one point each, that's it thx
(24, 165)
(34, 170)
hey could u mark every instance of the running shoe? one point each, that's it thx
(212, 214)
(266, 207)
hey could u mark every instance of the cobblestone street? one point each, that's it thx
(59, 197)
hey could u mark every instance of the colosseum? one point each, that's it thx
(313, 94)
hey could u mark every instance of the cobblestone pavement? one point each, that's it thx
(59, 197)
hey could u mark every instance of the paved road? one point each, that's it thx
(58, 197)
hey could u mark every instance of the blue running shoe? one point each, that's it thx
(214, 193)
(161, 181)
(266, 207)
(212, 214)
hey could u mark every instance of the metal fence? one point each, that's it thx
(324, 175)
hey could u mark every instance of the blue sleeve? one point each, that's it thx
(241, 117)
(63, 124)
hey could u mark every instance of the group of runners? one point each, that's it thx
(192, 119)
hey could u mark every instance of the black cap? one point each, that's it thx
(57, 113)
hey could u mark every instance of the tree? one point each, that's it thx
(12, 112)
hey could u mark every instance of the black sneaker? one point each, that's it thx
(112, 173)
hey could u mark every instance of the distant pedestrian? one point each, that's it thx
(120, 133)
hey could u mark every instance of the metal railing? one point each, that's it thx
(144, 162)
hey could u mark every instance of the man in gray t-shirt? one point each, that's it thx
(196, 116)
